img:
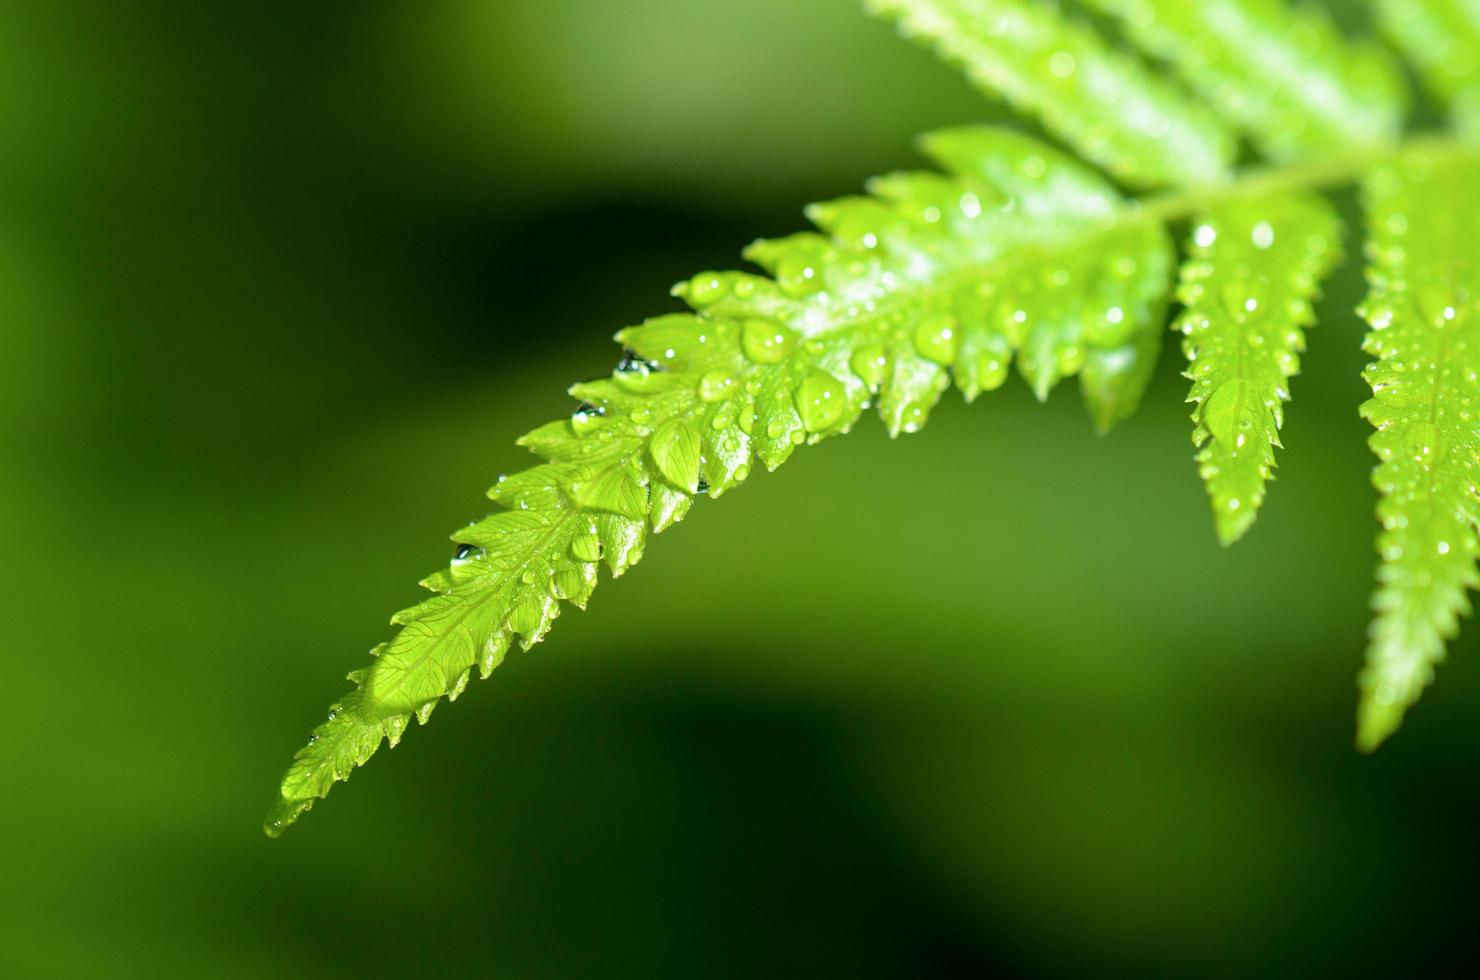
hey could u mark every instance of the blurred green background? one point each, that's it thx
(280, 284)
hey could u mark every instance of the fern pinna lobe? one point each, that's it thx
(1254, 267)
(1424, 310)
(1019, 255)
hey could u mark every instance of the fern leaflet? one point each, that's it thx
(1254, 268)
(1425, 278)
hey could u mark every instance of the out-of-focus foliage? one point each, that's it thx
(1282, 73)
(1109, 106)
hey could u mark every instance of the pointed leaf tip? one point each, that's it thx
(1232, 527)
(283, 814)
(1376, 723)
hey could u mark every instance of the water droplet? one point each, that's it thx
(1205, 236)
(821, 401)
(991, 369)
(1425, 444)
(312, 737)
(717, 385)
(765, 342)
(468, 552)
(797, 274)
(633, 363)
(869, 362)
(1263, 235)
(938, 339)
(586, 417)
(706, 290)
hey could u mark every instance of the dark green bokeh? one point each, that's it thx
(280, 284)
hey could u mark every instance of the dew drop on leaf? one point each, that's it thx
(706, 290)
(821, 401)
(765, 342)
(586, 417)
(633, 363)
(938, 339)
(466, 553)
(717, 385)
(869, 362)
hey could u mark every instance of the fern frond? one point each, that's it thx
(1424, 310)
(1107, 105)
(1254, 268)
(1020, 253)
(1283, 74)
(1018, 256)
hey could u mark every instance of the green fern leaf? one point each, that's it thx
(1254, 268)
(1019, 253)
(1106, 105)
(1424, 309)
(1284, 75)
